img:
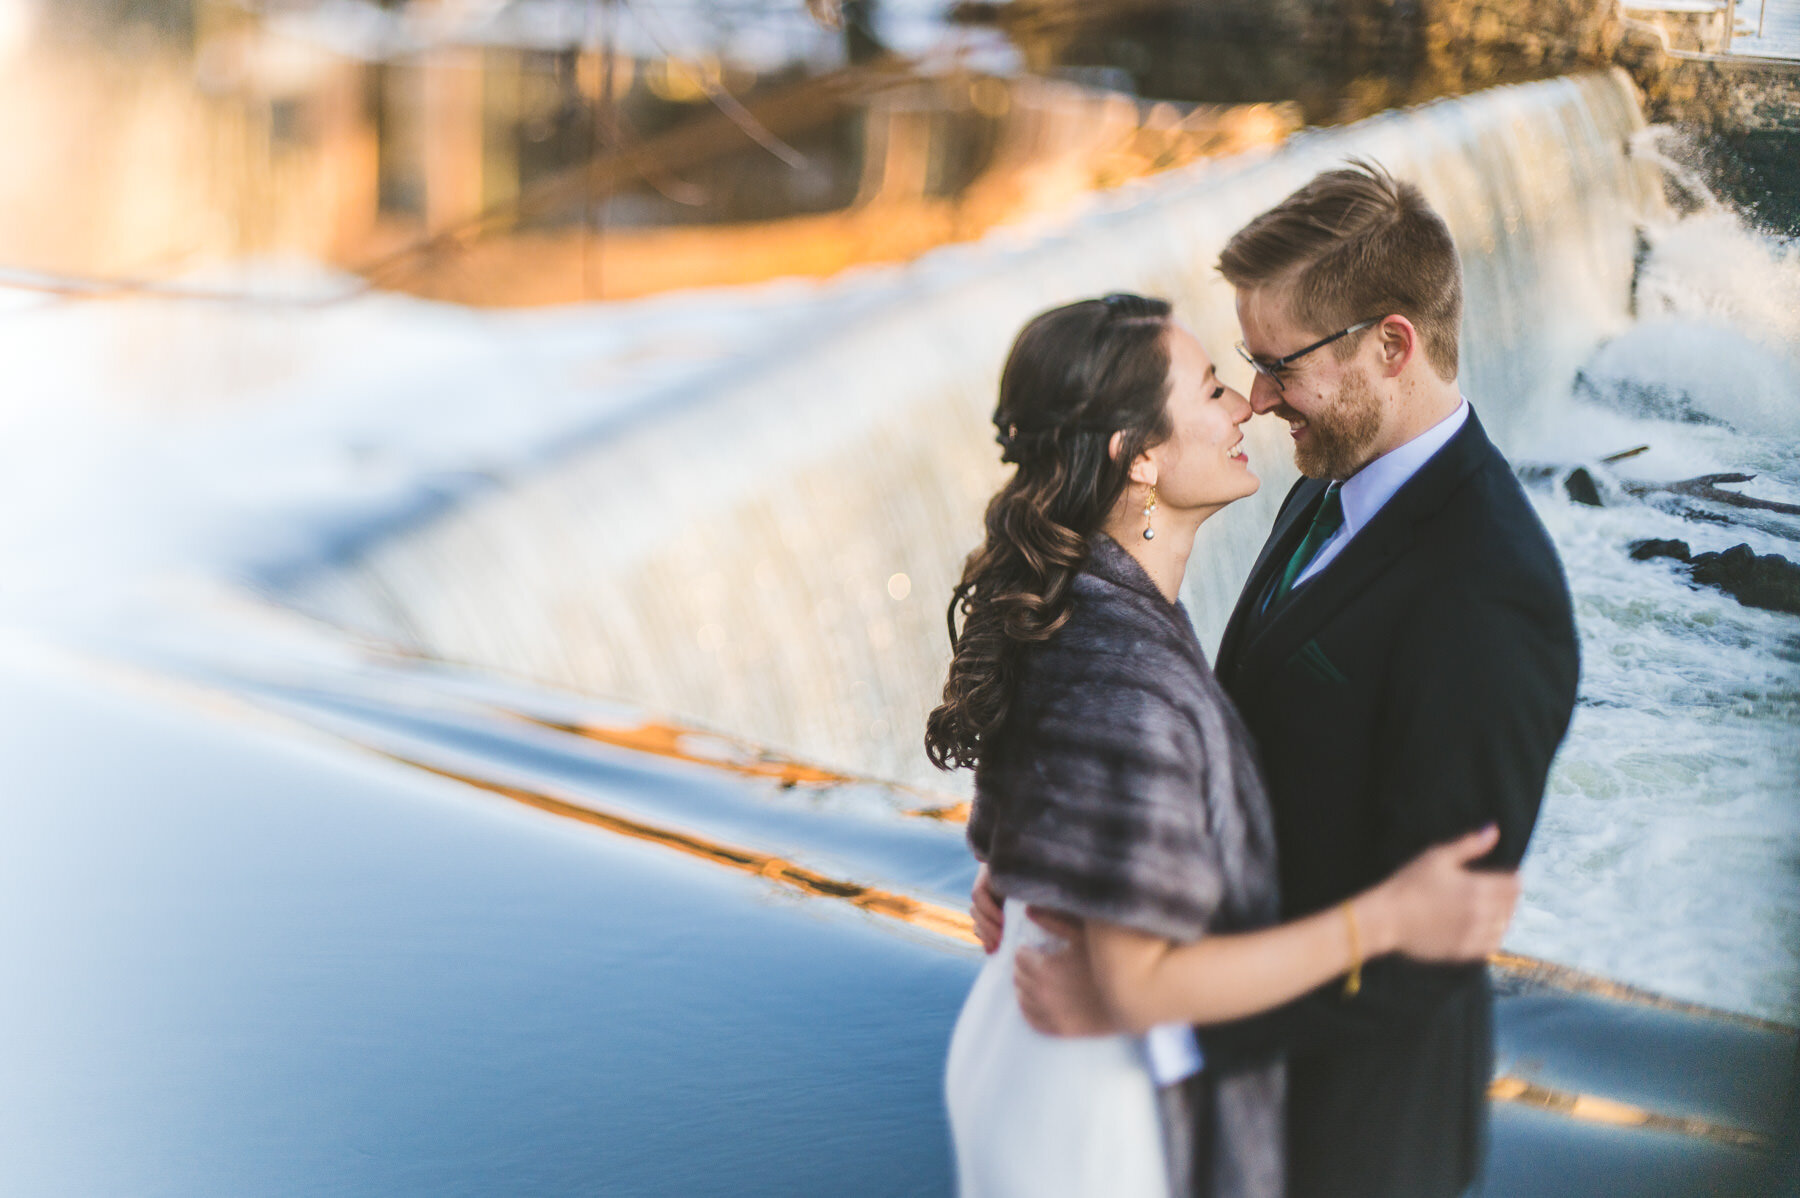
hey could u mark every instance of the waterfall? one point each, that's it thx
(771, 554)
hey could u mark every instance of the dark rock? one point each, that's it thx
(1643, 551)
(1769, 581)
(1581, 487)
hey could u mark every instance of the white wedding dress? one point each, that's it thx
(1037, 1116)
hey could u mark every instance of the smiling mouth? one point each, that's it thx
(1236, 451)
(1295, 421)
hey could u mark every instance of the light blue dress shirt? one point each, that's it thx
(1365, 492)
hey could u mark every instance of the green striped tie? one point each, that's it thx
(1329, 519)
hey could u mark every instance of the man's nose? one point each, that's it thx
(1265, 397)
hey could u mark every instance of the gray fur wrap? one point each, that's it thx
(1123, 787)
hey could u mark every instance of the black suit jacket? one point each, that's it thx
(1415, 689)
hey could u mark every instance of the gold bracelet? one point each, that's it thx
(1353, 983)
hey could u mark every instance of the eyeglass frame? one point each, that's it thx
(1271, 370)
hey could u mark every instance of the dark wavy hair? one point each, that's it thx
(1076, 375)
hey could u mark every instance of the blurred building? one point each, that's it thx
(525, 154)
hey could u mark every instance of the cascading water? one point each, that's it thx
(1666, 851)
(770, 555)
(294, 907)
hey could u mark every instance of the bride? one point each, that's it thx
(1116, 786)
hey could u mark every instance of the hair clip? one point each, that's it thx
(1125, 305)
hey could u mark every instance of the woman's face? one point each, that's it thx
(1202, 466)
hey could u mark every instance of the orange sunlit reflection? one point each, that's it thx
(735, 756)
(930, 917)
(1590, 1108)
(701, 748)
(1056, 146)
(954, 813)
(503, 175)
(668, 741)
(745, 759)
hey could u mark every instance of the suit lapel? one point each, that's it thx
(1371, 551)
(1290, 527)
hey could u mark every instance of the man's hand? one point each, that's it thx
(1056, 990)
(984, 907)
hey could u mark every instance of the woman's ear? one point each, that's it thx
(1143, 470)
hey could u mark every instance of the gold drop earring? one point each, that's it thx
(1149, 506)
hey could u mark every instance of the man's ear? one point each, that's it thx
(1397, 342)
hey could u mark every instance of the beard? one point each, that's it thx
(1341, 436)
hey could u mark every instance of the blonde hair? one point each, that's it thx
(1357, 244)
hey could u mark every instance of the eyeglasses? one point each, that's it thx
(1273, 369)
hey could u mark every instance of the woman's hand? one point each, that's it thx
(1442, 910)
(1056, 989)
(985, 910)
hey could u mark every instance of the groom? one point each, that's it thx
(1404, 653)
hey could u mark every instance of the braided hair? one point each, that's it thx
(1076, 375)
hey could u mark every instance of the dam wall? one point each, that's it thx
(772, 555)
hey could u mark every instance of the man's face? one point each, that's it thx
(1333, 409)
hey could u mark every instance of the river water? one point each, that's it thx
(744, 508)
(1666, 854)
(833, 490)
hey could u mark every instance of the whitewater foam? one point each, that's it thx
(1666, 852)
